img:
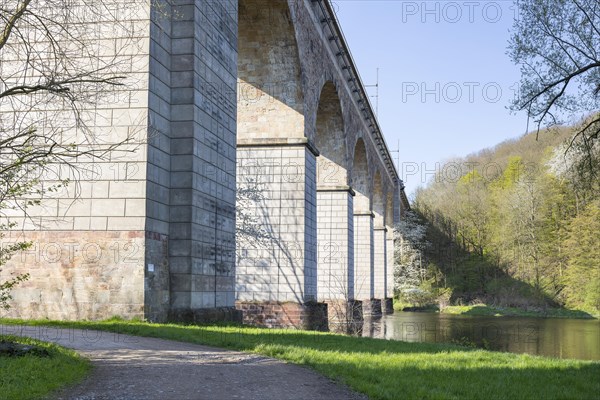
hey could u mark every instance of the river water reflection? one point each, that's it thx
(553, 337)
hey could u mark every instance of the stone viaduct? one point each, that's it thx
(262, 95)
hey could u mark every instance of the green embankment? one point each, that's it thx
(388, 369)
(516, 226)
(484, 310)
(35, 376)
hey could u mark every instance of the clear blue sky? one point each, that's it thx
(445, 79)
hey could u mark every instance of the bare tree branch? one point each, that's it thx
(12, 21)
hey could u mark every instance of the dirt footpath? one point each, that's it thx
(132, 368)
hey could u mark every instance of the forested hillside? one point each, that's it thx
(517, 225)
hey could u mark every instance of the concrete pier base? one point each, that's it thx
(205, 315)
(387, 306)
(373, 328)
(345, 316)
(371, 308)
(273, 314)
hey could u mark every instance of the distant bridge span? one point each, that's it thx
(302, 103)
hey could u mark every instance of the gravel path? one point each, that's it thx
(132, 368)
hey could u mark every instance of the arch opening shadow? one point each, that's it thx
(270, 98)
(330, 140)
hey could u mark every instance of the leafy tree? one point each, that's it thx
(557, 45)
(582, 278)
(558, 209)
(410, 242)
(472, 210)
(577, 167)
(6, 287)
(509, 236)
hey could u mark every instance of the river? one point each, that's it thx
(553, 337)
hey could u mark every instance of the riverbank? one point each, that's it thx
(46, 368)
(484, 310)
(381, 369)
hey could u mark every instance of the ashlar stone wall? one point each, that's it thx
(147, 230)
(88, 252)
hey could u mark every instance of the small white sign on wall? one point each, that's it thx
(150, 267)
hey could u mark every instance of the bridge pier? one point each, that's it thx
(371, 308)
(335, 206)
(363, 257)
(345, 316)
(387, 306)
(277, 272)
(279, 261)
(335, 256)
(383, 268)
(335, 252)
(389, 272)
(379, 262)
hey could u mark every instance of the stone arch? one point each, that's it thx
(330, 139)
(270, 98)
(360, 178)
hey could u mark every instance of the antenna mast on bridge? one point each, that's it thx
(397, 157)
(376, 86)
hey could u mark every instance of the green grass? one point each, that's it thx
(34, 377)
(484, 310)
(399, 305)
(388, 369)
